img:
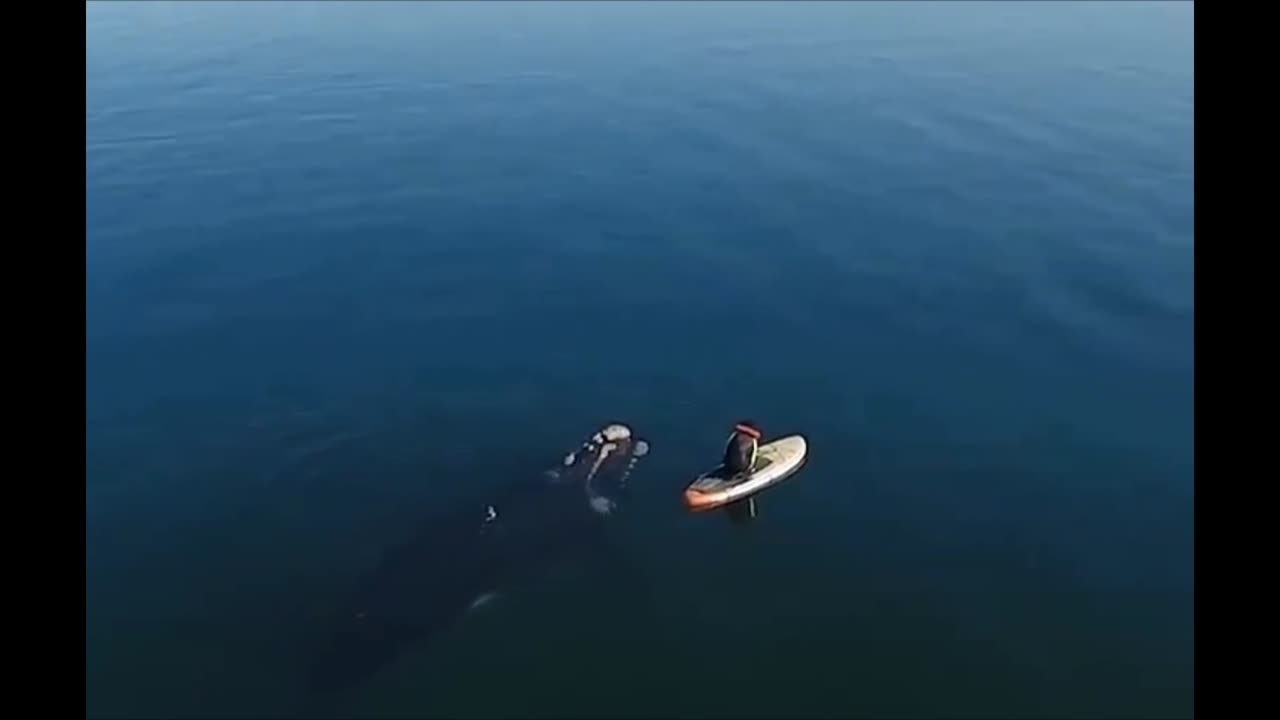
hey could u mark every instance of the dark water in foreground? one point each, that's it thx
(347, 264)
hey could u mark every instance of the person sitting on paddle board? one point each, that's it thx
(740, 452)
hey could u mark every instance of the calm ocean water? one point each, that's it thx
(347, 264)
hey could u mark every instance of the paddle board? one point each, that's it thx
(775, 462)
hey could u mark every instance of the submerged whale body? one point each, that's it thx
(459, 562)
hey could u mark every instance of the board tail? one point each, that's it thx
(742, 512)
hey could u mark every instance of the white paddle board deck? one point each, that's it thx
(775, 462)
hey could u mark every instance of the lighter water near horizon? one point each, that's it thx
(349, 264)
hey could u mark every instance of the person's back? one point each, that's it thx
(740, 452)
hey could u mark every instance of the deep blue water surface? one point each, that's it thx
(349, 263)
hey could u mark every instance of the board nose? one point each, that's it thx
(697, 501)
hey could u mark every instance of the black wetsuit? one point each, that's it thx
(739, 454)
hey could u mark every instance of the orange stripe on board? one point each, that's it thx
(700, 501)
